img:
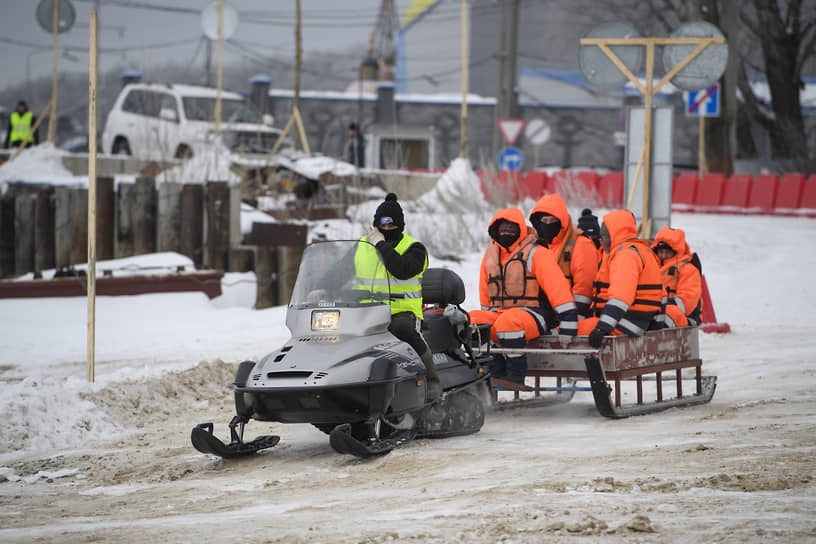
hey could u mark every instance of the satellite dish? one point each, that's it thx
(707, 67)
(209, 21)
(66, 15)
(599, 69)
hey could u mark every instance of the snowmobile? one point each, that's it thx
(345, 373)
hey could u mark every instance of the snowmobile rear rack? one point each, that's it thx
(619, 360)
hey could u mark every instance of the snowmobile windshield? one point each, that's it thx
(340, 273)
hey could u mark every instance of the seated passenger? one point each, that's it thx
(683, 283)
(577, 256)
(630, 283)
(522, 291)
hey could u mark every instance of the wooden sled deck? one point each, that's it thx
(651, 359)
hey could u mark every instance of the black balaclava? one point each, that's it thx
(506, 239)
(546, 231)
(390, 212)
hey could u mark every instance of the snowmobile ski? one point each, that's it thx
(205, 441)
(342, 441)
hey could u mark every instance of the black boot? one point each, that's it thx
(516, 368)
(497, 366)
(434, 389)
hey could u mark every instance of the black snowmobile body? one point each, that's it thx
(343, 372)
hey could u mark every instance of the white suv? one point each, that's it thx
(157, 122)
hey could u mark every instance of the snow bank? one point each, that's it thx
(40, 164)
(313, 167)
(450, 220)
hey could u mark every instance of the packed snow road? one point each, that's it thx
(740, 469)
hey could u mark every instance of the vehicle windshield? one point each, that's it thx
(202, 108)
(340, 273)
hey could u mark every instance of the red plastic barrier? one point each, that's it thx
(789, 197)
(684, 191)
(709, 318)
(610, 190)
(807, 204)
(535, 184)
(763, 193)
(709, 192)
(735, 195)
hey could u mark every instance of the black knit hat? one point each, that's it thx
(589, 223)
(389, 212)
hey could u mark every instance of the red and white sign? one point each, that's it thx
(510, 129)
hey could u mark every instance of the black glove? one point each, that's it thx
(596, 338)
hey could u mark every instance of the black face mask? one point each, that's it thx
(391, 235)
(547, 231)
(506, 240)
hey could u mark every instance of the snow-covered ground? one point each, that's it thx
(111, 460)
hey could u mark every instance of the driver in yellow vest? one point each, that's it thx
(19, 128)
(405, 260)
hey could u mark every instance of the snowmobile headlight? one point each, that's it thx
(325, 320)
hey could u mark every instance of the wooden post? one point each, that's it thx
(169, 217)
(78, 225)
(105, 217)
(24, 206)
(465, 60)
(266, 272)
(217, 224)
(52, 121)
(6, 237)
(92, 200)
(298, 57)
(43, 230)
(192, 222)
(645, 224)
(219, 76)
(144, 216)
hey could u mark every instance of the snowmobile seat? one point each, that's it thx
(441, 287)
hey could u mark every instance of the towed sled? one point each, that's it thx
(345, 373)
(623, 367)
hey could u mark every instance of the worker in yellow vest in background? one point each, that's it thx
(19, 128)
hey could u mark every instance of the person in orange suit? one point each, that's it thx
(577, 256)
(522, 291)
(630, 280)
(683, 283)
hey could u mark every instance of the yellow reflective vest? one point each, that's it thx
(20, 127)
(405, 295)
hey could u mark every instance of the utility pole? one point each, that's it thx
(506, 98)
(298, 57)
(730, 14)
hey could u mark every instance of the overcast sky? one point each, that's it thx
(138, 33)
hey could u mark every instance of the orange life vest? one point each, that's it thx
(511, 285)
(648, 295)
(671, 277)
(565, 251)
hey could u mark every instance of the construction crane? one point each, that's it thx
(381, 56)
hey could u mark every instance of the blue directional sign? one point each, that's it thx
(510, 158)
(703, 103)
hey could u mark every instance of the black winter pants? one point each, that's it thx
(405, 326)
